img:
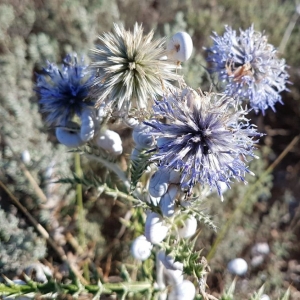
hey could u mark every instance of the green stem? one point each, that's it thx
(113, 167)
(288, 32)
(81, 237)
(55, 287)
(116, 193)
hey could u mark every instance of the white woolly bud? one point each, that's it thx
(155, 231)
(142, 137)
(180, 47)
(183, 291)
(189, 228)
(68, 137)
(237, 266)
(167, 201)
(110, 141)
(141, 248)
(87, 128)
(159, 183)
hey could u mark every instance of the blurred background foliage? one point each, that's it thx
(33, 31)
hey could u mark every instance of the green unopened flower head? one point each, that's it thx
(131, 68)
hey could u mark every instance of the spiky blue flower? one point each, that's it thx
(64, 92)
(203, 136)
(249, 67)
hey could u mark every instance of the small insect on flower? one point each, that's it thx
(64, 92)
(130, 68)
(248, 67)
(205, 138)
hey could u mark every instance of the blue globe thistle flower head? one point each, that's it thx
(64, 92)
(248, 67)
(204, 137)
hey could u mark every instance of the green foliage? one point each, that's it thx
(138, 167)
(32, 32)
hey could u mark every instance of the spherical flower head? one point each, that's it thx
(204, 137)
(131, 68)
(64, 92)
(249, 67)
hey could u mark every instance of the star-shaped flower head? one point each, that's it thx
(131, 68)
(204, 137)
(64, 92)
(248, 67)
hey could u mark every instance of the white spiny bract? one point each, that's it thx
(204, 137)
(130, 68)
(64, 92)
(248, 67)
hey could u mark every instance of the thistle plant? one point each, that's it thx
(188, 144)
(131, 68)
(64, 92)
(205, 138)
(248, 67)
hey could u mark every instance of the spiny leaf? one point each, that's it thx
(84, 180)
(286, 296)
(257, 295)
(138, 166)
(96, 151)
